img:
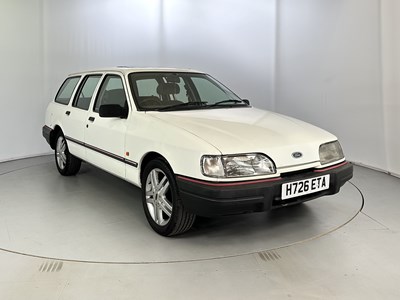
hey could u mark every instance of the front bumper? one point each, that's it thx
(208, 199)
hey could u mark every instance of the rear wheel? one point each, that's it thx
(161, 202)
(67, 164)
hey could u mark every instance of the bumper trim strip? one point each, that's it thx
(222, 184)
(331, 168)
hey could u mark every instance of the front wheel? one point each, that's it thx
(161, 202)
(67, 164)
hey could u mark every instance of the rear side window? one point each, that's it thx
(65, 92)
(86, 90)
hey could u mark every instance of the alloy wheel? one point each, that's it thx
(158, 196)
(61, 156)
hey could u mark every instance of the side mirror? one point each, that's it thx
(112, 111)
(246, 101)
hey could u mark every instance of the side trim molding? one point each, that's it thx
(104, 152)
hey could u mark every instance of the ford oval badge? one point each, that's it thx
(297, 154)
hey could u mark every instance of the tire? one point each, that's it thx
(161, 202)
(67, 164)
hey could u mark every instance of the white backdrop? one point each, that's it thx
(390, 13)
(328, 71)
(320, 61)
(338, 65)
(21, 79)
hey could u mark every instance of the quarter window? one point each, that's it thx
(67, 88)
(111, 92)
(82, 100)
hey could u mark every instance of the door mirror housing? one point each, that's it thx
(246, 101)
(112, 111)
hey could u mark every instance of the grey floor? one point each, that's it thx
(86, 237)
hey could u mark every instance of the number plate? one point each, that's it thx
(304, 187)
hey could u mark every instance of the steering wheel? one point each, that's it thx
(150, 101)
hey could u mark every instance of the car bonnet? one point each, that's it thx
(251, 130)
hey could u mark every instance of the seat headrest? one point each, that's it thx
(168, 88)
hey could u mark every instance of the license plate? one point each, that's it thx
(304, 187)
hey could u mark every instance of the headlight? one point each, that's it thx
(330, 152)
(241, 165)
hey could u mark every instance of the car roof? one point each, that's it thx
(126, 70)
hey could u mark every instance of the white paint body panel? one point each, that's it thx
(107, 134)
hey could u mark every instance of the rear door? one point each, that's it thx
(75, 118)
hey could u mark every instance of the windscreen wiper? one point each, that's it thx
(183, 105)
(227, 101)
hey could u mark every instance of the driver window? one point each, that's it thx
(111, 92)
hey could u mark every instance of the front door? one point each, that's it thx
(105, 137)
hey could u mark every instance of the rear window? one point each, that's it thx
(85, 92)
(66, 90)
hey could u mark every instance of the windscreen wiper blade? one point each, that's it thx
(183, 105)
(227, 101)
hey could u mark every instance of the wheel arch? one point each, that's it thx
(53, 136)
(148, 157)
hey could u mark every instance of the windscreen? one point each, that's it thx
(177, 91)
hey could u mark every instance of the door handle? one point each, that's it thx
(91, 119)
(67, 112)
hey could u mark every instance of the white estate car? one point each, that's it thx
(191, 144)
